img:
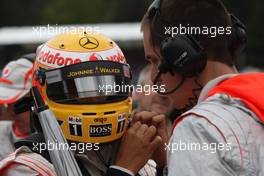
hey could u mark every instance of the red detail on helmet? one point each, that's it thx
(57, 59)
(119, 57)
(95, 57)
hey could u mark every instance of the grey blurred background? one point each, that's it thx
(18, 13)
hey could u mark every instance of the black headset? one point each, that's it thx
(184, 55)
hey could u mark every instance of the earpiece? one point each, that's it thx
(182, 54)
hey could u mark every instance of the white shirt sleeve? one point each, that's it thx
(198, 148)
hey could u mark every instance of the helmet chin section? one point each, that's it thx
(93, 123)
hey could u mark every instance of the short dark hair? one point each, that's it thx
(198, 13)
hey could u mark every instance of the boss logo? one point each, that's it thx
(100, 130)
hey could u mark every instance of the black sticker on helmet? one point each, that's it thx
(100, 130)
(75, 126)
(121, 123)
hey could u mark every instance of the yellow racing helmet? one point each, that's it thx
(84, 79)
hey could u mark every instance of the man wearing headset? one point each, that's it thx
(221, 130)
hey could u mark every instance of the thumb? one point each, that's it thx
(156, 143)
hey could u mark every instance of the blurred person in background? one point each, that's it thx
(250, 69)
(15, 84)
(148, 100)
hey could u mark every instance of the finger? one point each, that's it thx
(150, 133)
(134, 119)
(142, 129)
(145, 116)
(159, 120)
(135, 126)
(134, 112)
(157, 141)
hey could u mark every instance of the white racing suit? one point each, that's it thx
(220, 136)
(23, 162)
(7, 138)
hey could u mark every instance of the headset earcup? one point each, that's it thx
(164, 67)
(182, 55)
(238, 38)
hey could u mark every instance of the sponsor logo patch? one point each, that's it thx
(100, 130)
(100, 119)
(52, 57)
(88, 42)
(75, 125)
(121, 123)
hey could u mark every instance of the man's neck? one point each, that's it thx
(215, 69)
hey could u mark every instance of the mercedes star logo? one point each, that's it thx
(88, 42)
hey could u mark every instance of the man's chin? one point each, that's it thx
(159, 108)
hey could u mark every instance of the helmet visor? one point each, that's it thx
(89, 83)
